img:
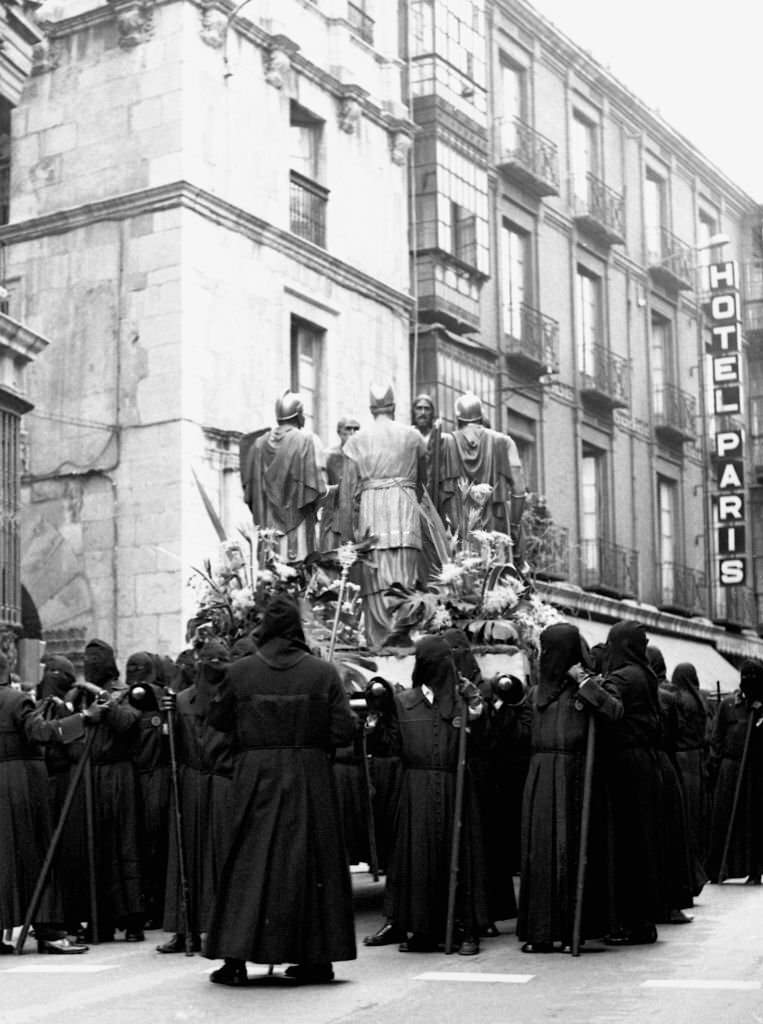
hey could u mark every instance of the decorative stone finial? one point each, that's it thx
(213, 24)
(135, 22)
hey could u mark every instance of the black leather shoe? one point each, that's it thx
(490, 932)
(678, 917)
(134, 935)
(232, 972)
(60, 947)
(752, 880)
(418, 944)
(177, 945)
(310, 974)
(469, 947)
(388, 935)
(643, 935)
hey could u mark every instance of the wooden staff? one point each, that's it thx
(66, 807)
(585, 818)
(185, 892)
(455, 846)
(90, 833)
(370, 823)
(737, 792)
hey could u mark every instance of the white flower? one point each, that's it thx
(441, 619)
(480, 493)
(450, 573)
(283, 571)
(502, 598)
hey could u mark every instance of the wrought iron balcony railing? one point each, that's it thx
(5, 190)
(307, 209)
(670, 260)
(547, 551)
(736, 606)
(605, 377)
(360, 22)
(681, 590)
(600, 211)
(531, 337)
(674, 413)
(527, 157)
(608, 568)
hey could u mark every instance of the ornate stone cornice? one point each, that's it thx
(214, 23)
(205, 204)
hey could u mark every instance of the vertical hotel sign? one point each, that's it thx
(726, 351)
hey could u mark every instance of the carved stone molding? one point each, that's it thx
(213, 24)
(46, 56)
(399, 147)
(278, 60)
(135, 21)
(351, 108)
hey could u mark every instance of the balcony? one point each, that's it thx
(670, 261)
(531, 339)
(608, 568)
(526, 157)
(5, 190)
(674, 414)
(756, 451)
(681, 591)
(361, 23)
(737, 607)
(307, 209)
(605, 378)
(449, 293)
(547, 551)
(753, 300)
(600, 212)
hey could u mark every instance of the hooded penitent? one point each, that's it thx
(463, 656)
(561, 647)
(626, 645)
(434, 667)
(57, 679)
(656, 662)
(281, 619)
(751, 679)
(100, 666)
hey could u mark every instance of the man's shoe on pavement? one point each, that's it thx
(232, 972)
(388, 935)
(469, 947)
(310, 974)
(752, 880)
(678, 917)
(134, 935)
(60, 947)
(418, 944)
(177, 944)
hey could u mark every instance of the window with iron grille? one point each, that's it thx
(308, 199)
(307, 346)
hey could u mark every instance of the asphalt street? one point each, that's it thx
(706, 972)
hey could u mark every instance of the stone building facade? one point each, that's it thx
(196, 222)
(20, 344)
(562, 235)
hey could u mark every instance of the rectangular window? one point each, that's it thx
(654, 216)
(523, 430)
(514, 277)
(305, 138)
(583, 156)
(588, 314)
(463, 234)
(307, 343)
(5, 160)
(661, 354)
(666, 499)
(591, 519)
(513, 104)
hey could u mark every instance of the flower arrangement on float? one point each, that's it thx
(476, 587)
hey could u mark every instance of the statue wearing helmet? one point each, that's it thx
(478, 455)
(284, 479)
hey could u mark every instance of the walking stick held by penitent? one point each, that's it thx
(185, 892)
(455, 846)
(369, 802)
(754, 719)
(66, 807)
(90, 834)
(585, 819)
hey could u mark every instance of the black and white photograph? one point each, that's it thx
(381, 512)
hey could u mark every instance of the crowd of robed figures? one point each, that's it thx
(272, 812)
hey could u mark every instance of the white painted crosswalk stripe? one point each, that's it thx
(718, 984)
(500, 979)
